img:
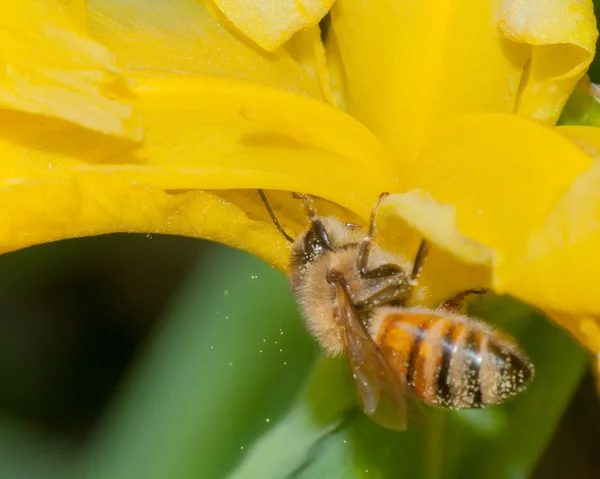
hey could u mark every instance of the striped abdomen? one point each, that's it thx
(453, 361)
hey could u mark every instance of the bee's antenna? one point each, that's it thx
(419, 259)
(273, 217)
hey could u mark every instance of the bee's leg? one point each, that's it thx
(393, 293)
(363, 251)
(383, 271)
(419, 259)
(457, 304)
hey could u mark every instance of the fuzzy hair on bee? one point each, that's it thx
(354, 297)
(309, 281)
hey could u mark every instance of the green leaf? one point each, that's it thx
(296, 438)
(594, 70)
(26, 453)
(501, 442)
(583, 107)
(229, 358)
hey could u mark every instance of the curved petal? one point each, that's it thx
(95, 203)
(504, 174)
(563, 37)
(306, 47)
(423, 62)
(335, 66)
(585, 137)
(187, 37)
(270, 23)
(454, 263)
(561, 255)
(437, 223)
(52, 68)
(58, 180)
(533, 197)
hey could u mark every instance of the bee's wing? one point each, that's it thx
(380, 391)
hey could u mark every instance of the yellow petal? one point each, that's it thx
(335, 66)
(94, 203)
(423, 62)
(52, 68)
(563, 35)
(187, 37)
(503, 173)
(585, 137)
(426, 61)
(270, 23)
(437, 224)
(61, 181)
(454, 263)
(532, 196)
(307, 49)
(561, 258)
(78, 10)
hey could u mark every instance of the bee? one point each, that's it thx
(354, 298)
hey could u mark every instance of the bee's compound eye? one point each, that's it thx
(315, 243)
(313, 246)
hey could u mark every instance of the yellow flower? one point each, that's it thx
(165, 116)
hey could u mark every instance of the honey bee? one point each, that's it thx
(354, 297)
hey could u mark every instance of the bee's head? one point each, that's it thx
(323, 234)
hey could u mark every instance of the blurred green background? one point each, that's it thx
(130, 356)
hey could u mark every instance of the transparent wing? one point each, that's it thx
(380, 391)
